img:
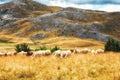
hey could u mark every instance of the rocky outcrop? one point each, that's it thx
(38, 36)
(49, 22)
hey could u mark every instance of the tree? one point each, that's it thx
(112, 45)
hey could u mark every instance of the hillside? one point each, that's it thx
(35, 21)
(23, 8)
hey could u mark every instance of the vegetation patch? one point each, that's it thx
(41, 48)
(22, 47)
(5, 41)
(112, 45)
(55, 49)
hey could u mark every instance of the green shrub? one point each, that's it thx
(112, 45)
(41, 48)
(55, 49)
(18, 48)
(22, 47)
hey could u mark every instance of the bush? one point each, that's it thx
(41, 48)
(112, 45)
(22, 47)
(55, 49)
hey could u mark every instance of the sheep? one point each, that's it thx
(85, 50)
(57, 53)
(29, 53)
(2, 54)
(42, 53)
(10, 53)
(47, 52)
(62, 54)
(93, 52)
(38, 53)
(22, 53)
(76, 50)
(65, 53)
(100, 51)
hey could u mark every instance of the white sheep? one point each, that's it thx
(2, 54)
(9, 53)
(38, 53)
(93, 52)
(42, 53)
(63, 53)
(57, 53)
(22, 53)
(100, 51)
(76, 50)
(47, 52)
(85, 50)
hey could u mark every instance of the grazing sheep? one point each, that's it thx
(22, 53)
(42, 53)
(29, 53)
(2, 54)
(10, 54)
(65, 53)
(57, 53)
(38, 53)
(15, 53)
(76, 50)
(62, 54)
(47, 52)
(100, 51)
(93, 52)
(85, 50)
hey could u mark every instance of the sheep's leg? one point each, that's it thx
(61, 55)
(66, 55)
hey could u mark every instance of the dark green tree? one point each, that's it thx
(112, 45)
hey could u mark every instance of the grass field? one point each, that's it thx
(62, 42)
(75, 67)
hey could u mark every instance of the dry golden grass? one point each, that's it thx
(54, 8)
(62, 42)
(72, 42)
(74, 67)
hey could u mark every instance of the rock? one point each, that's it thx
(38, 36)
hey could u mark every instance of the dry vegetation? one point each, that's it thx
(75, 67)
(62, 42)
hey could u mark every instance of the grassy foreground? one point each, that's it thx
(75, 67)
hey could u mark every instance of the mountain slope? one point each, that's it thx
(23, 8)
(73, 22)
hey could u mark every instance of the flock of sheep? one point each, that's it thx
(59, 53)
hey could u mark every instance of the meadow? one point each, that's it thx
(75, 67)
(104, 66)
